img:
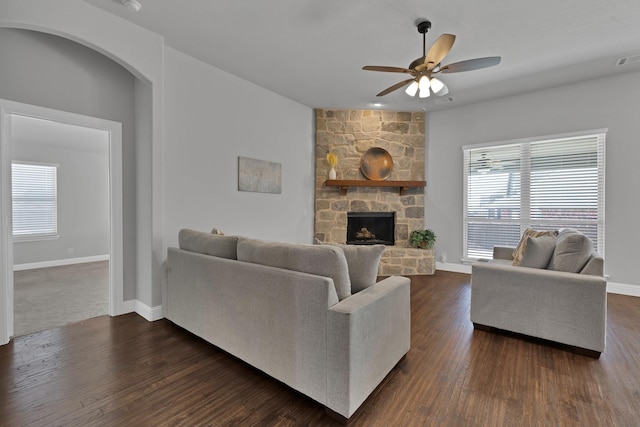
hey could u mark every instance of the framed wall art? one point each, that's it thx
(259, 176)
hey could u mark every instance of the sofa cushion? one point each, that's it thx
(207, 243)
(539, 251)
(595, 266)
(522, 245)
(322, 260)
(573, 250)
(363, 262)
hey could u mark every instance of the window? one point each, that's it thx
(35, 204)
(544, 184)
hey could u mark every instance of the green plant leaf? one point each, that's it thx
(424, 239)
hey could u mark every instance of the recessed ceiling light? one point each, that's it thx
(132, 5)
(445, 100)
(377, 104)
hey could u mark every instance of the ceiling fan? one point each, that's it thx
(422, 69)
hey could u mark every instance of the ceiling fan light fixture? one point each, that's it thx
(442, 88)
(436, 86)
(424, 84)
(412, 89)
(430, 63)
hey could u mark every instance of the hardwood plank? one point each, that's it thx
(127, 371)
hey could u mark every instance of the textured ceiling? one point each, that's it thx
(313, 51)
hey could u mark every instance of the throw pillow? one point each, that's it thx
(363, 262)
(522, 245)
(321, 260)
(207, 243)
(573, 250)
(594, 267)
(538, 252)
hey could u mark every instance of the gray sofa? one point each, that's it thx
(289, 310)
(567, 307)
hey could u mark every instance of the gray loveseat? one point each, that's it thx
(288, 310)
(567, 307)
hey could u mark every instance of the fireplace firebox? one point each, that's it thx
(371, 228)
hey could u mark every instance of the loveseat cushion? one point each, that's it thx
(595, 266)
(321, 260)
(539, 251)
(522, 245)
(363, 262)
(573, 250)
(207, 243)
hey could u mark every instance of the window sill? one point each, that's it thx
(21, 239)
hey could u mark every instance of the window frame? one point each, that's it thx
(27, 237)
(524, 221)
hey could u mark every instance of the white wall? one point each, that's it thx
(611, 102)
(211, 118)
(83, 189)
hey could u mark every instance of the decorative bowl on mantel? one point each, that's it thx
(376, 164)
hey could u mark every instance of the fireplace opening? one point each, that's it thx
(371, 228)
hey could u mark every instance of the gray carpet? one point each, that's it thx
(46, 298)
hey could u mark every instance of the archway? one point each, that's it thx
(140, 52)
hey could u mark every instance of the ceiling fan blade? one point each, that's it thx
(439, 50)
(386, 69)
(395, 87)
(471, 64)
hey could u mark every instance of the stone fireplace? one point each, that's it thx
(349, 134)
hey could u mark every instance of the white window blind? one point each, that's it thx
(542, 184)
(34, 198)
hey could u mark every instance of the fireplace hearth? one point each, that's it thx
(371, 228)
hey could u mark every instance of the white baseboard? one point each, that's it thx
(623, 289)
(150, 313)
(454, 268)
(128, 307)
(60, 262)
(612, 287)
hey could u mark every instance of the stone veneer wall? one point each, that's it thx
(349, 134)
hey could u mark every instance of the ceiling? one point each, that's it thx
(313, 51)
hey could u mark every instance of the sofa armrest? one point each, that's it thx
(569, 308)
(503, 252)
(367, 334)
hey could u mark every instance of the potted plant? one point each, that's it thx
(423, 239)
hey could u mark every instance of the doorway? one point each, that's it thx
(73, 131)
(60, 198)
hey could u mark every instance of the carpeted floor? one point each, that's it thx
(46, 298)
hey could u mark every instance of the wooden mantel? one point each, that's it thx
(344, 184)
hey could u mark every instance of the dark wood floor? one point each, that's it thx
(126, 371)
